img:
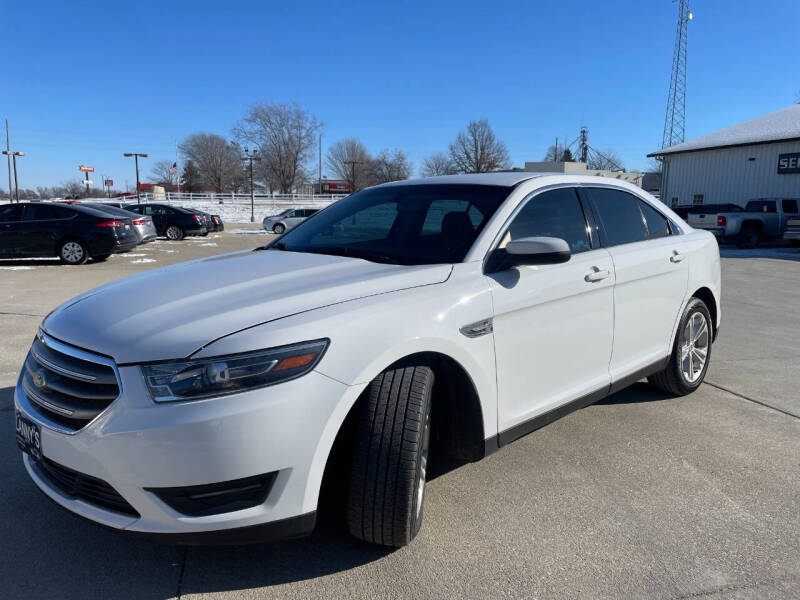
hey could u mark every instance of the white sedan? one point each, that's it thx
(469, 310)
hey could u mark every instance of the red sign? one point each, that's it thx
(86, 169)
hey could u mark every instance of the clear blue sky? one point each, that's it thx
(85, 82)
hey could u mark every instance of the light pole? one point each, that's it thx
(251, 156)
(136, 156)
(14, 154)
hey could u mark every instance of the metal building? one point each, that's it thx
(755, 159)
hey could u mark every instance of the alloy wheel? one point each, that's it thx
(694, 349)
(72, 252)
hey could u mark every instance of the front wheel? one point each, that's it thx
(691, 352)
(390, 462)
(73, 252)
(174, 233)
(278, 228)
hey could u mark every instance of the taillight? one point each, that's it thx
(138, 221)
(197, 218)
(721, 221)
(115, 223)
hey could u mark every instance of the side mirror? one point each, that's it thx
(529, 251)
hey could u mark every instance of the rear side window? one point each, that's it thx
(46, 212)
(10, 212)
(765, 206)
(556, 213)
(657, 224)
(620, 215)
(789, 206)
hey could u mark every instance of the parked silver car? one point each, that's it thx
(143, 225)
(288, 219)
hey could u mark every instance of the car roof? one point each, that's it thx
(508, 179)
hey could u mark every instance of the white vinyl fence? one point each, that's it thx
(233, 208)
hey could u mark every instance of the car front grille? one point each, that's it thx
(84, 487)
(67, 386)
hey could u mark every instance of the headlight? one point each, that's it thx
(222, 375)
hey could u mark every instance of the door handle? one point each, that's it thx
(596, 275)
(676, 257)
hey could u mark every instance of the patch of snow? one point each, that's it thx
(209, 244)
(17, 268)
(250, 231)
(140, 261)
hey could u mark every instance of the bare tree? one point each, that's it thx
(162, 172)
(436, 164)
(559, 154)
(285, 135)
(218, 161)
(43, 191)
(607, 160)
(73, 189)
(390, 166)
(477, 150)
(350, 161)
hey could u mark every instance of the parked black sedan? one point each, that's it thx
(73, 233)
(173, 222)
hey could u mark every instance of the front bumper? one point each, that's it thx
(136, 444)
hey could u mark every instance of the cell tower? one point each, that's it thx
(675, 121)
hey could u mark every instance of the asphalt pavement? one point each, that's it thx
(639, 496)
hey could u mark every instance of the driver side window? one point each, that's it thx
(555, 213)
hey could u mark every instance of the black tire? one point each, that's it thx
(278, 228)
(73, 252)
(672, 379)
(387, 483)
(100, 257)
(748, 237)
(174, 233)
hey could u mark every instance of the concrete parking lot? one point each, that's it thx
(639, 496)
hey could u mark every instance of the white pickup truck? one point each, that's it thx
(761, 219)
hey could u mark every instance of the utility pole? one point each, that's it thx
(14, 154)
(8, 160)
(353, 164)
(675, 120)
(319, 188)
(251, 156)
(136, 156)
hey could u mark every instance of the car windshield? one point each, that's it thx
(400, 224)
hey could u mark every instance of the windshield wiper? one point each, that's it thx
(352, 253)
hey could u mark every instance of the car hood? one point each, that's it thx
(174, 311)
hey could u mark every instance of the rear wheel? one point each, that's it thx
(73, 252)
(174, 232)
(748, 237)
(278, 228)
(390, 462)
(691, 352)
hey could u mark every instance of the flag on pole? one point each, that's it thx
(174, 168)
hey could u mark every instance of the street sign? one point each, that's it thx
(86, 169)
(108, 182)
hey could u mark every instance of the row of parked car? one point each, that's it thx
(759, 220)
(76, 232)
